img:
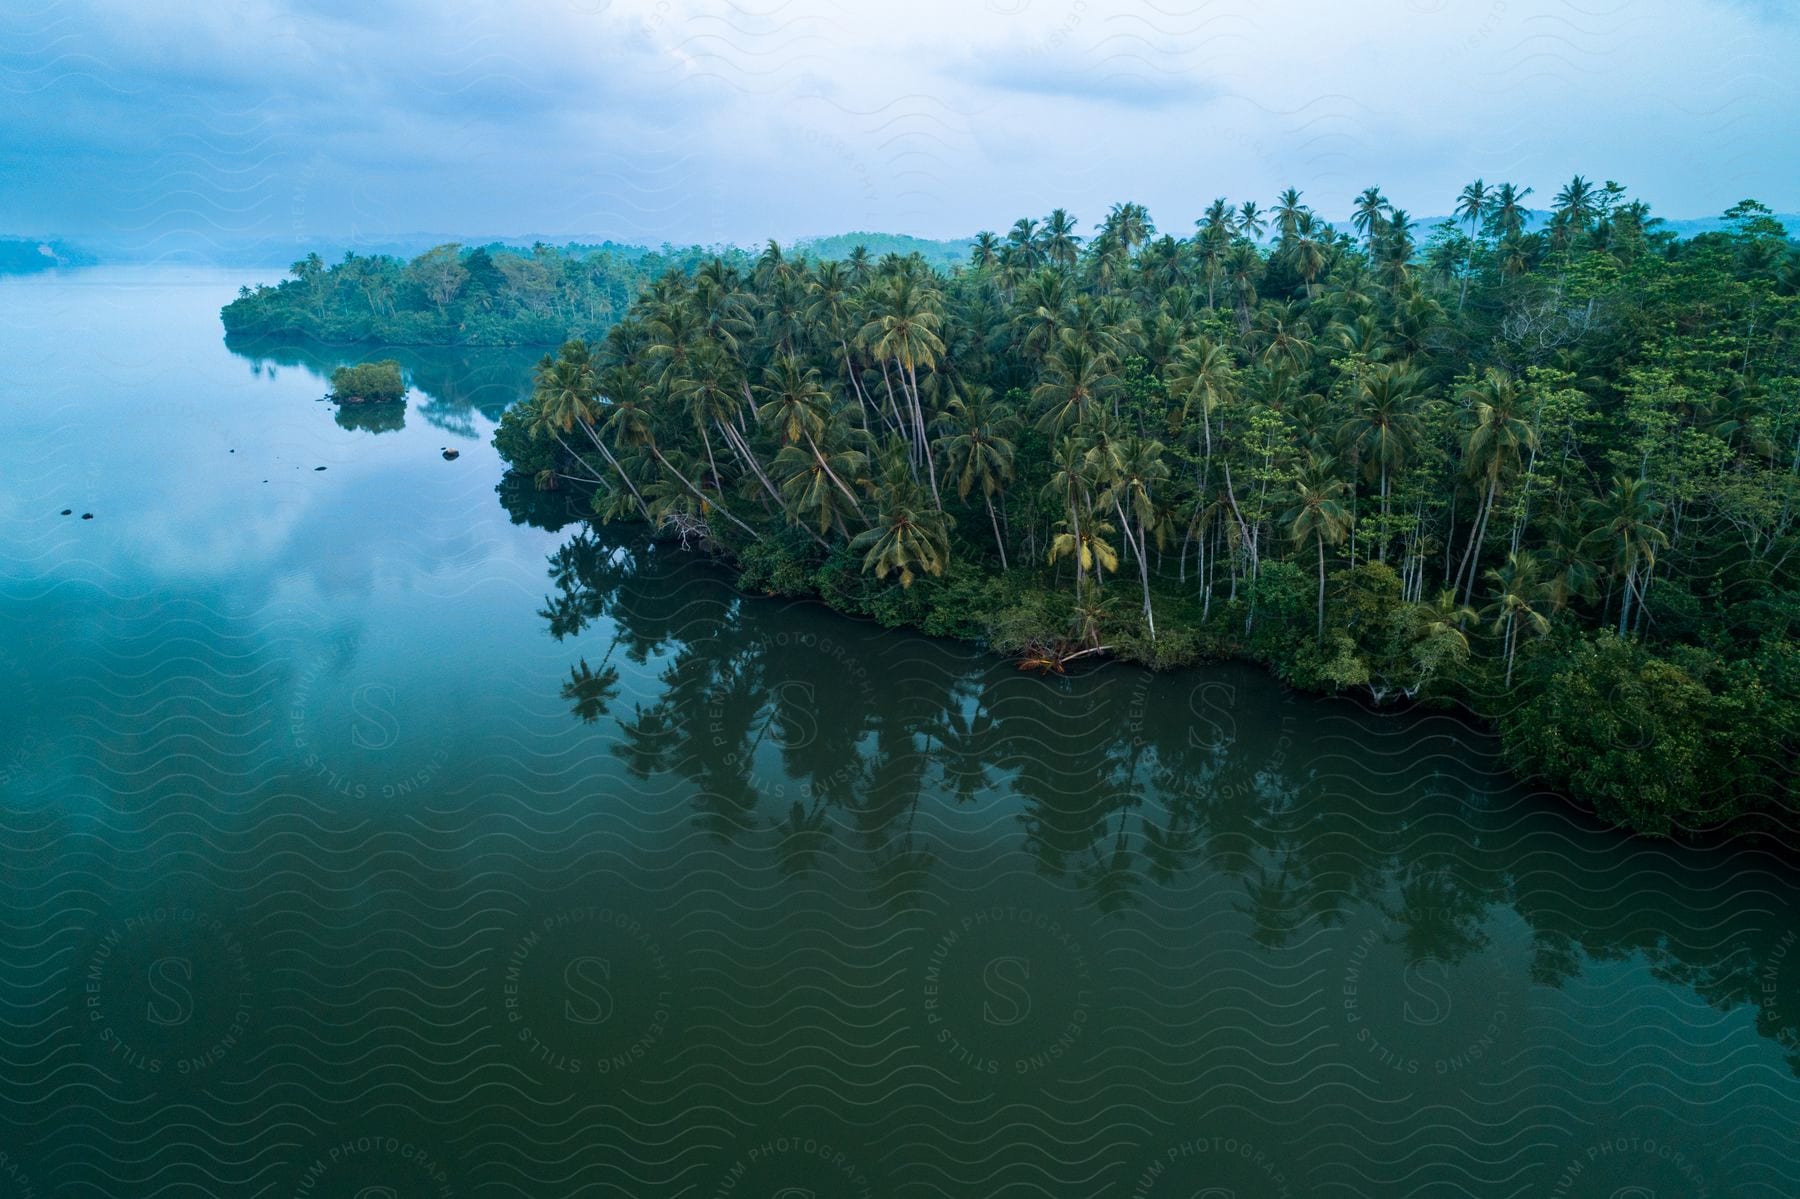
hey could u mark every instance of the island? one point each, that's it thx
(1543, 468)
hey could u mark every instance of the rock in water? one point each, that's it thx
(451, 455)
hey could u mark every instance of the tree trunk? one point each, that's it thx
(999, 543)
(1321, 544)
(1477, 533)
(696, 493)
(614, 463)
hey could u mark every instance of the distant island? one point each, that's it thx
(449, 296)
(495, 295)
(30, 255)
(1543, 467)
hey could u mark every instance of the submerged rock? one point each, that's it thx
(451, 455)
(67, 511)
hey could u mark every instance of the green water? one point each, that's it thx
(361, 840)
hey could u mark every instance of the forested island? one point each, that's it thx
(452, 295)
(1544, 470)
(455, 295)
(31, 255)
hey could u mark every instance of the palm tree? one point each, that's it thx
(985, 253)
(564, 397)
(1384, 428)
(1251, 222)
(1318, 514)
(1130, 224)
(1626, 521)
(1086, 543)
(1370, 215)
(1061, 246)
(979, 453)
(1244, 269)
(796, 406)
(1437, 631)
(1069, 486)
(1138, 467)
(1498, 438)
(903, 328)
(812, 481)
(1508, 211)
(1307, 254)
(1288, 212)
(911, 536)
(1077, 379)
(1518, 590)
(629, 423)
(1202, 376)
(1026, 244)
(1217, 228)
(1472, 205)
(1573, 210)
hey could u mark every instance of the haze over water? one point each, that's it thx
(357, 835)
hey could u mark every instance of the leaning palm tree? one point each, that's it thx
(630, 423)
(1319, 515)
(565, 397)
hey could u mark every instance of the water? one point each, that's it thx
(359, 840)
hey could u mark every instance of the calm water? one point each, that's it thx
(361, 840)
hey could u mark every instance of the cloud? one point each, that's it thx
(1126, 77)
(162, 122)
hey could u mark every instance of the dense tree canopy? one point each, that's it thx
(1544, 468)
(452, 295)
(368, 383)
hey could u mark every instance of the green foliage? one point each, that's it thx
(452, 295)
(368, 383)
(1628, 731)
(1440, 473)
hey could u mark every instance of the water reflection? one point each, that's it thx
(450, 384)
(817, 743)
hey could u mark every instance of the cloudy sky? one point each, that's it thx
(156, 121)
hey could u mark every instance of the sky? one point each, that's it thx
(169, 122)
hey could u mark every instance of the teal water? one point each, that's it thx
(368, 833)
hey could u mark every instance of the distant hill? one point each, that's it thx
(954, 252)
(29, 255)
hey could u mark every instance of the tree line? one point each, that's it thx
(455, 295)
(1542, 465)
